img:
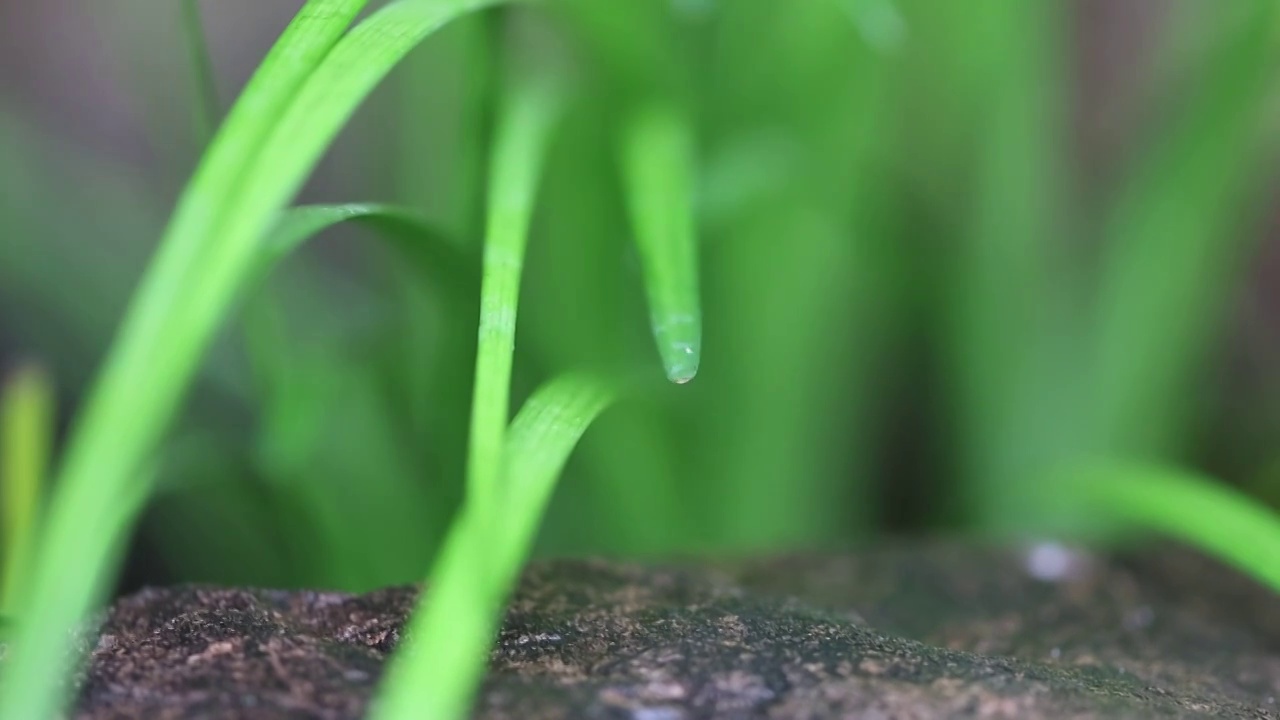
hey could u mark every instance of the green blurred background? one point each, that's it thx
(946, 247)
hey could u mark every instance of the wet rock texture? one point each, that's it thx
(912, 632)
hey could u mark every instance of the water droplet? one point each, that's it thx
(1051, 562)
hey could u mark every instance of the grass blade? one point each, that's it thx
(412, 235)
(301, 382)
(1185, 506)
(1007, 279)
(540, 440)
(308, 87)
(443, 144)
(206, 114)
(524, 131)
(436, 672)
(658, 167)
(585, 249)
(115, 432)
(880, 22)
(802, 282)
(26, 444)
(1174, 242)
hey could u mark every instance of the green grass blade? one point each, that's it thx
(412, 235)
(443, 141)
(301, 382)
(524, 131)
(783, 451)
(26, 445)
(540, 440)
(634, 43)
(478, 116)
(658, 166)
(301, 47)
(628, 463)
(369, 520)
(1185, 506)
(436, 672)
(1174, 241)
(433, 258)
(308, 87)
(206, 114)
(1006, 278)
(880, 22)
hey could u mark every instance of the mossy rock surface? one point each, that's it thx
(915, 631)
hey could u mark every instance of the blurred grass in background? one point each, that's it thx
(924, 286)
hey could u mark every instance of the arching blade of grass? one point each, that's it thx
(1185, 506)
(26, 445)
(308, 87)
(433, 259)
(411, 234)
(139, 387)
(301, 381)
(445, 653)
(524, 130)
(211, 191)
(658, 167)
(296, 405)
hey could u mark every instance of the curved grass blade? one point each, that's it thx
(411, 234)
(658, 173)
(438, 668)
(26, 444)
(524, 131)
(432, 256)
(296, 404)
(308, 87)
(431, 252)
(1185, 506)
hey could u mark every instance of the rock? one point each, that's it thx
(924, 631)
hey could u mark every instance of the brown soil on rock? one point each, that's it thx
(911, 632)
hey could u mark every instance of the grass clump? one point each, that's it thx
(27, 406)
(297, 101)
(768, 169)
